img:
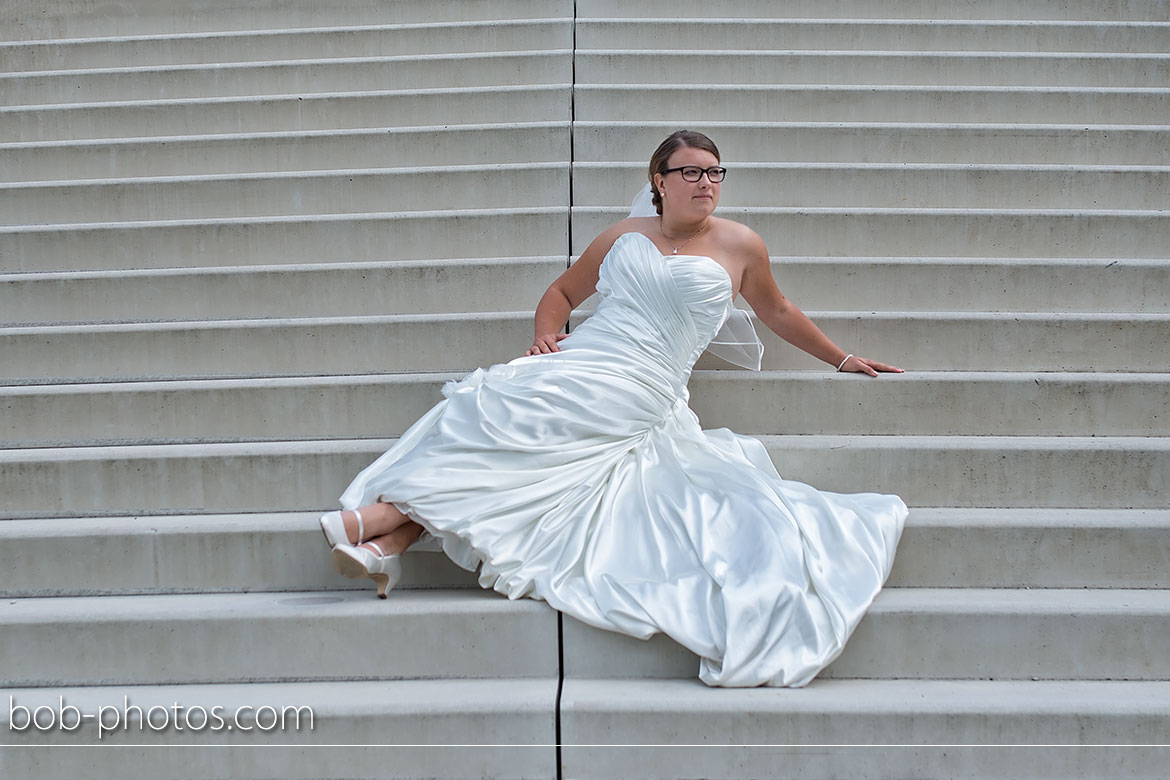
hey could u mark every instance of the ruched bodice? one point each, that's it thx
(662, 305)
(582, 478)
(655, 315)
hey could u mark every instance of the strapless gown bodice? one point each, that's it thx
(660, 309)
(582, 478)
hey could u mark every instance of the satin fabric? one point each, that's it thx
(736, 341)
(582, 478)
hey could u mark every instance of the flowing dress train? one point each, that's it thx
(582, 478)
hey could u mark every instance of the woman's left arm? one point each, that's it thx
(783, 318)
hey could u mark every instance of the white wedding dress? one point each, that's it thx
(582, 478)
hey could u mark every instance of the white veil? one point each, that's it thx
(737, 341)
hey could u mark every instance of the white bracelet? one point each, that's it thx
(843, 362)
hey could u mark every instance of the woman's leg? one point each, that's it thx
(377, 557)
(396, 541)
(377, 520)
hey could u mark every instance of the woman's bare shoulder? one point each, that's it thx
(739, 239)
(644, 225)
(607, 237)
(605, 240)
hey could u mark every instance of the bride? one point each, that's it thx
(577, 474)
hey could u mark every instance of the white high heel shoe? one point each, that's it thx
(334, 529)
(385, 570)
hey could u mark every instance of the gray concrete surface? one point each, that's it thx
(303, 150)
(791, 140)
(917, 403)
(961, 471)
(245, 637)
(421, 38)
(941, 548)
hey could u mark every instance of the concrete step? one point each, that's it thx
(251, 553)
(215, 478)
(976, 284)
(522, 230)
(762, 185)
(232, 242)
(898, 10)
(983, 471)
(354, 191)
(247, 637)
(941, 634)
(35, 20)
(747, 34)
(450, 342)
(896, 185)
(959, 471)
(709, 65)
(773, 402)
(953, 403)
(879, 103)
(1113, 146)
(940, 548)
(460, 285)
(347, 110)
(289, 77)
(885, 142)
(271, 347)
(1033, 548)
(413, 235)
(244, 153)
(266, 637)
(514, 35)
(217, 409)
(935, 725)
(424, 719)
(363, 40)
(315, 289)
(937, 232)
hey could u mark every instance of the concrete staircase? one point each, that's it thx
(262, 211)
(244, 244)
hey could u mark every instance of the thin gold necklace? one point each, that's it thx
(671, 240)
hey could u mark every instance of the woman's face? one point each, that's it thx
(690, 200)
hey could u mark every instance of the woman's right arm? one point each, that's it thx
(551, 315)
(572, 287)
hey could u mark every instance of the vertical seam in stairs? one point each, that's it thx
(568, 328)
(572, 127)
(560, 688)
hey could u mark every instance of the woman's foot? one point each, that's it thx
(343, 528)
(378, 558)
(369, 560)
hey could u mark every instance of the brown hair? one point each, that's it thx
(675, 141)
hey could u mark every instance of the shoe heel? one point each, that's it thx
(383, 583)
(354, 562)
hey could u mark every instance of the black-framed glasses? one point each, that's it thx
(693, 173)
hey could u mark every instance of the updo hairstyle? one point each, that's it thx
(675, 141)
